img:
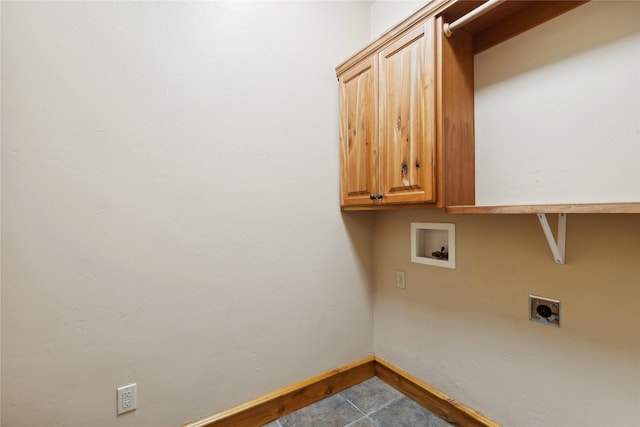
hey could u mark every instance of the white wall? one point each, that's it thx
(466, 331)
(1, 83)
(170, 207)
(558, 110)
(385, 14)
(170, 216)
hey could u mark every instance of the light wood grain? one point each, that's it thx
(583, 208)
(423, 144)
(358, 134)
(432, 399)
(275, 405)
(407, 117)
(455, 122)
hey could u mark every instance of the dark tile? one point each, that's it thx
(334, 411)
(362, 422)
(371, 395)
(406, 413)
(439, 422)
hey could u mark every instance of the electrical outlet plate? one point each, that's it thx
(400, 280)
(127, 398)
(544, 310)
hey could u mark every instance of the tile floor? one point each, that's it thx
(372, 403)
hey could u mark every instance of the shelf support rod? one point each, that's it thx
(557, 247)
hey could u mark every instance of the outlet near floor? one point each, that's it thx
(127, 398)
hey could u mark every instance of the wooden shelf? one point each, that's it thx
(510, 19)
(557, 246)
(632, 207)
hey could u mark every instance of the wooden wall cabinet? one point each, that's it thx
(406, 121)
(406, 104)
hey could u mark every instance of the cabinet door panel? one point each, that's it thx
(358, 141)
(407, 117)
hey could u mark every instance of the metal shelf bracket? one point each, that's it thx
(557, 247)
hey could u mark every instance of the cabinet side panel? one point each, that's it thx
(456, 119)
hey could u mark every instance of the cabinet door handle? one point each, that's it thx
(372, 197)
(380, 196)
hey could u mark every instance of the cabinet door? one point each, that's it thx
(358, 137)
(408, 117)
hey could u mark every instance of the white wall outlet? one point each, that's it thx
(400, 280)
(127, 398)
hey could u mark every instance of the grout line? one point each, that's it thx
(389, 403)
(359, 410)
(355, 421)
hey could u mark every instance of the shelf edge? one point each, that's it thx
(625, 207)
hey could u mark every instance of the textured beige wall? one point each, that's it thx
(170, 207)
(147, 238)
(387, 13)
(558, 110)
(466, 331)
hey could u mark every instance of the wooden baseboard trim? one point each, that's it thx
(434, 400)
(275, 405)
